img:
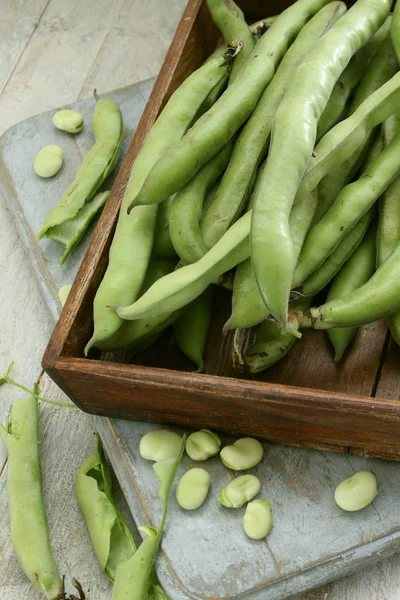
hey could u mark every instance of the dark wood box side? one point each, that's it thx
(287, 414)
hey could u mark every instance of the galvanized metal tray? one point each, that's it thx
(205, 554)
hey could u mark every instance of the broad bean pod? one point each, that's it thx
(132, 334)
(381, 69)
(187, 206)
(389, 219)
(248, 308)
(214, 129)
(348, 135)
(111, 538)
(99, 162)
(271, 346)
(133, 239)
(231, 22)
(191, 328)
(355, 272)
(271, 246)
(379, 297)
(252, 142)
(351, 204)
(185, 284)
(334, 262)
(29, 527)
(72, 231)
(349, 79)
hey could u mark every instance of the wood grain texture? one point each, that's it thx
(24, 320)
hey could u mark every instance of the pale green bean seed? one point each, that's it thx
(68, 120)
(193, 488)
(63, 293)
(48, 161)
(202, 444)
(357, 492)
(239, 491)
(243, 454)
(257, 520)
(159, 444)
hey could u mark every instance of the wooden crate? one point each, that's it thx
(305, 400)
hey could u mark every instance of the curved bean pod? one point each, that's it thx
(271, 346)
(231, 22)
(184, 285)
(334, 262)
(271, 246)
(133, 333)
(253, 140)
(389, 220)
(97, 165)
(214, 129)
(187, 205)
(382, 68)
(29, 527)
(379, 297)
(349, 80)
(352, 203)
(248, 308)
(134, 235)
(191, 329)
(348, 135)
(356, 271)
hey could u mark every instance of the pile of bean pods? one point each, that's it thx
(275, 164)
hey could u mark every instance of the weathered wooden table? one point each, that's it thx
(53, 52)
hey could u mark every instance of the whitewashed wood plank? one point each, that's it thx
(18, 22)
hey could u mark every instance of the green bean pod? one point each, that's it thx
(348, 135)
(187, 206)
(184, 285)
(355, 272)
(349, 79)
(133, 334)
(214, 129)
(133, 239)
(395, 32)
(231, 22)
(191, 329)
(252, 142)
(248, 308)
(271, 346)
(334, 262)
(29, 527)
(163, 248)
(97, 165)
(72, 231)
(382, 67)
(271, 246)
(389, 220)
(111, 538)
(352, 203)
(379, 297)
